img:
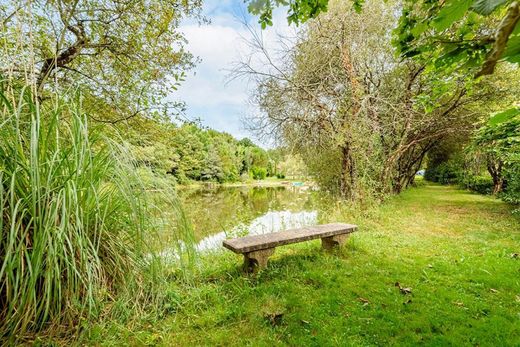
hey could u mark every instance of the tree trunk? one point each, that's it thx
(494, 168)
(497, 185)
(64, 58)
(347, 179)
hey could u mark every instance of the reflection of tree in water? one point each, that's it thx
(214, 210)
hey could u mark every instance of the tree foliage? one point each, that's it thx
(470, 34)
(125, 56)
(460, 34)
(362, 119)
(499, 142)
(192, 153)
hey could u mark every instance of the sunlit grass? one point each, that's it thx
(455, 250)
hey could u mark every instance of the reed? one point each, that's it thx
(76, 223)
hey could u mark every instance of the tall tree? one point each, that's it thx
(362, 119)
(126, 56)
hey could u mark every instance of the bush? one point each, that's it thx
(479, 184)
(451, 172)
(259, 173)
(444, 173)
(511, 193)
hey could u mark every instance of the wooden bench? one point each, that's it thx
(258, 248)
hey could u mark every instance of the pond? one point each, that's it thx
(223, 212)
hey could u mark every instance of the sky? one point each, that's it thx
(220, 105)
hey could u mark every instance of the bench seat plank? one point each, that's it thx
(258, 242)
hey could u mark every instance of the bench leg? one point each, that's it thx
(257, 260)
(331, 242)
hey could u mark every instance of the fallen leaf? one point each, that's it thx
(274, 318)
(406, 290)
(460, 304)
(515, 255)
(493, 290)
(403, 290)
(409, 301)
(518, 298)
(365, 302)
(305, 322)
(430, 266)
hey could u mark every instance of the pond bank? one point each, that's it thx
(454, 251)
(269, 182)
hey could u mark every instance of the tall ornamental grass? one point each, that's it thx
(75, 224)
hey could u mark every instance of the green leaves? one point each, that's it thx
(257, 6)
(485, 7)
(358, 5)
(459, 37)
(430, 28)
(299, 10)
(504, 116)
(451, 12)
(512, 52)
(264, 9)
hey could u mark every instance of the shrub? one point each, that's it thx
(259, 173)
(479, 184)
(444, 173)
(511, 193)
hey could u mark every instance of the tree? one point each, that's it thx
(190, 152)
(212, 170)
(473, 35)
(361, 119)
(125, 56)
(299, 10)
(499, 142)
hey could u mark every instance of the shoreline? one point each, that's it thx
(259, 183)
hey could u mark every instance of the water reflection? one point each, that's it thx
(272, 221)
(221, 213)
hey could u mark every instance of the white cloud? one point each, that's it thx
(219, 45)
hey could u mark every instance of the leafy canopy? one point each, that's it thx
(470, 34)
(125, 56)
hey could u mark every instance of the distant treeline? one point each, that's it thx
(192, 153)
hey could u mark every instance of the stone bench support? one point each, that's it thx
(257, 260)
(332, 242)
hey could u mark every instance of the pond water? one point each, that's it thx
(220, 213)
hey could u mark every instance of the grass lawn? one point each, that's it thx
(455, 250)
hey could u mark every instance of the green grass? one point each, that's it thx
(452, 248)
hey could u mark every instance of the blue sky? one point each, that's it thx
(219, 105)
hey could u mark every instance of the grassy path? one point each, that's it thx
(452, 248)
